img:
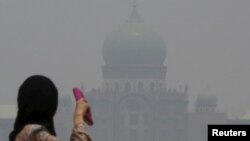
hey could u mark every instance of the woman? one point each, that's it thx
(37, 104)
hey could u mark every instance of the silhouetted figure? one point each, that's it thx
(37, 104)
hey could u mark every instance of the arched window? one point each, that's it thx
(133, 134)
(160, 87)
(127, 87)
(107, 86)
(152, 87)
(116, 87)
(140, 87)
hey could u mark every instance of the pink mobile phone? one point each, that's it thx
(88, 116)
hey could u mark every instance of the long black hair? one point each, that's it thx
(37, 102)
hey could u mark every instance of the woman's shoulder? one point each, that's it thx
(28, 130)
(32, 128)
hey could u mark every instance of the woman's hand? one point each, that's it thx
(80, 110)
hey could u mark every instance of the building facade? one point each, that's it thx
(205, 113)
(134, 103)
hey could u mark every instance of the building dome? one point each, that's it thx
(134, 43)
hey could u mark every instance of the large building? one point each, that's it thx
(206, 113)
(134, 103)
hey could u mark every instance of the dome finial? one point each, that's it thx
(135, 6)
(134, 16)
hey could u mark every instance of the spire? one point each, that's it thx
(134, 17)
(135, 6)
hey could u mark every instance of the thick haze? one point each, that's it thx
(207, 44)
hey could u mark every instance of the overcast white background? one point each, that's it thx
(207, 44)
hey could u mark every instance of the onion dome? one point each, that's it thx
(134, 44)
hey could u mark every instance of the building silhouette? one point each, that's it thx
(205, 113)
(134, 103)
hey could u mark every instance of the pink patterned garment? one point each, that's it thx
(35, 132)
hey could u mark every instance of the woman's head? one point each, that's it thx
(37, 104)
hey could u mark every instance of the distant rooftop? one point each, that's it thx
(246, 116)
(8, 111)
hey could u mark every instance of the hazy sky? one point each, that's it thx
(207, 44)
